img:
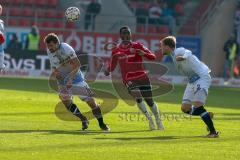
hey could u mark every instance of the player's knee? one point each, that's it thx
(91, 102)
(149, 101)
(138, 100)
(186, 108)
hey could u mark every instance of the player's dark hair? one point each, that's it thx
(123, 28)
(169, 41)
(51, 37)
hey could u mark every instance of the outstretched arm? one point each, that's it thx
(145, 52)
(112, 64)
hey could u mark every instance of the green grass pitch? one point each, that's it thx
(29, 128)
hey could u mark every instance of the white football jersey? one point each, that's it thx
(2, 30)
(191, 66)
(60, 57)
(1, 25)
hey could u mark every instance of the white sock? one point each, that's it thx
(2, 60)
(156, 114)
(155, 111)
(143, 108)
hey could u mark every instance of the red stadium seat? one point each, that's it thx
(48, 24)
(29, 2)
(25, 23)
(17, 2)
(152, 29)
(140, 28)
(59, 24)
(53, 3)
(41, 3)
(12, 22)
(28, 12)
(50, 14)
(70, 25)
(60, 14)
(15, 11)
(163, 29)
(41, 13)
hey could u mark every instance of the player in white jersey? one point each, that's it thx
(2, 66)
(198, 74)
(66, 69)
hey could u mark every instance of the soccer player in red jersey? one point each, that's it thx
(130, 55)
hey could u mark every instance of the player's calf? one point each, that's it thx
(202, 112)
(97, 113)
(74, 110)
(142, 107)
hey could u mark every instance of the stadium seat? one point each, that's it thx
(29, 2)
(163, 29)
(41, 14)
(26, 22)
(152, 29)
(48, 24)
(50, 13)
(15, 11)
(60, 14)
(28, 12)
(70, 25)
(12, 22)
(59, 24)
(140, 28)
(41, 3)
(52, 3)
(16, 2)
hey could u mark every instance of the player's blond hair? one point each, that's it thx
(169, 41)
(51, 37)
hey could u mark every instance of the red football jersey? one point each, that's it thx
(2, 39)
(130, 61)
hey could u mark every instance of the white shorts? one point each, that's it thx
(80, 89)
(197, 91)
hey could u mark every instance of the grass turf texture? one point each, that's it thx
(29, 128)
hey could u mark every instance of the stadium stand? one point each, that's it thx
(50, 13)
(44, 13)
(156, 15)
(191, 25)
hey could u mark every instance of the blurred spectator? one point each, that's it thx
(141, 13)
(237, 24)
(230, 48)
(179, 11)
(33, 39)
(168, 16)
(93, 9)
(179, 8)
(236, 68)
(155, 12)
(14, 43)
(171, 3)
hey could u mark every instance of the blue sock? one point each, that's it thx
(74, 109)
(205, 117)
